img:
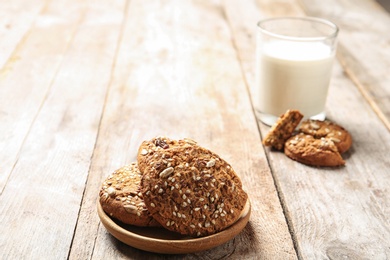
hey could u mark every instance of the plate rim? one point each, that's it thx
(169, 246)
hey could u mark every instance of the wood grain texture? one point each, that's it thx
(333, 213)
(27, 77)
(363, 46)
(41, 200)
(177, 74)
(15, 24)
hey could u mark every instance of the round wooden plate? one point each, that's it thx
(160, 240)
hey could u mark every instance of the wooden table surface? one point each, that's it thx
(82, 83)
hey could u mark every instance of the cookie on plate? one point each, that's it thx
(148, 149)
(312, 151)
(191, 190)
(120, 197)
(326, 129)
(282, 129)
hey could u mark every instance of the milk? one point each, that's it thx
(292, 75)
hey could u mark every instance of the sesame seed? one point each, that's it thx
(210, 163)
(213, 221)
(184, 196)
(192, 225)
(200, 225)
(168, 223)
(174, 213)
(160, 190)
(165, 173)
(207, 224)
(152, 204)
(138, 213)
(196, 209)
(179, 215)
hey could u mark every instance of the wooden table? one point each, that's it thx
(82, 83)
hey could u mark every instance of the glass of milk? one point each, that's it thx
(293, 66)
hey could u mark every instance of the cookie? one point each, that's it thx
(120, 197)
(191, 190)
(311, 151)
(282, 129)
(326, 129)
(147, 149)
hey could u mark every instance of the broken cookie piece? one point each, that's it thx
(282, 129)
(311, 151)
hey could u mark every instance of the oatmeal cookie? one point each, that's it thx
(282, 129)
(311, 151)
(326, 129)
(148, 149)
(120, 197)
(191, 190)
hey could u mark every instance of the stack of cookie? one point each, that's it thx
(178, 185)
(316, 143)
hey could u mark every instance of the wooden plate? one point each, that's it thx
(160, 240)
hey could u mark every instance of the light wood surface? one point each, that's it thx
(83, 83)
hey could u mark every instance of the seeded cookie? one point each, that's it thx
(191, 190)
(311, 151)
(147, 150)
(121, 198)
(326, 129)
(282, 129)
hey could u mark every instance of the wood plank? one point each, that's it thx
(27, 77)
(334, 213)
(17, 18)
(365, 57)
(177, 74)
(41, 200)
